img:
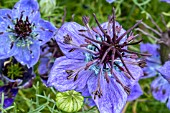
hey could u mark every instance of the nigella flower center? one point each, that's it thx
(13, 69)
(23, 28)
(21, 31)
(102, 52)
(106, 52)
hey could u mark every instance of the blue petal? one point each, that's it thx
(135, 93)
(71, 29)
(8, 102)
(5, 47)
(29, 8)
(45, 31)
(4, 19)
(76, 54)
(135, 71)
(42, 68)
(113, 96)
(150, 69)
(87, 99)
(14, 92)
(9, 94)
(4, 12)
(58, 75)
(150, 48)
(27, 56)
(5, 43)
(165, 71)
(160, 89)
(153, 62)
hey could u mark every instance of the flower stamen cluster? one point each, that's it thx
(104, 50)
(14, 70)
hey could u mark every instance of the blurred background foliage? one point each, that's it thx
(40, 99)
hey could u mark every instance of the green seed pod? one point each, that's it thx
(69, 101)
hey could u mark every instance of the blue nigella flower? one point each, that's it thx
(22, 32)
(14, 76)
(153, 62)
(159, 61)
(13, 71)
(98, 59)
(160, 86)
(49, 52)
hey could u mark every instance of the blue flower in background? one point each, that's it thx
(110, 1)
(167, 1)
(44, 68)
(98, 59)
(49, 52)
(22, 32)
(14, 76)
(160, 86)
(12, 71)
(135, 93)
(10, 92)
(153, 62)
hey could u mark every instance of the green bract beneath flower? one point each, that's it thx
(69, 101)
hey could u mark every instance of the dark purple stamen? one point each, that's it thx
(1, 33)
(22, 28)
(52, 48)
(113, 26)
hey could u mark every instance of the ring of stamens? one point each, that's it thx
(12, 69)
(22, 31)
